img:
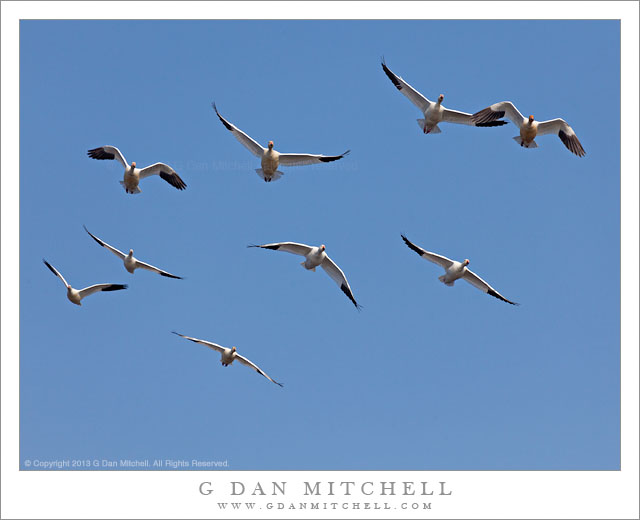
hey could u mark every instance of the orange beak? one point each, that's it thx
(133, 164)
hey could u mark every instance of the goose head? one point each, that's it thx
(130, 252)
(133, 165)
(233, 349)
(270, 145)
(440, 98)
(322, 248)
(466, 262)
(530, 120)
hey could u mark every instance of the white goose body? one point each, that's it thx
(433, 115)
(270, 160)
(74, 295)
(131, 179)
(314, 258)
(454, 272)
(130, 262)
(228, 355)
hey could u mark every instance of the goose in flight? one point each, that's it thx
(229, 355)
(75, 295)
(455, 270)
(130, 262)
(434, 113)
(133, 175)
(314, 257)
(270, 159)
(529, 128)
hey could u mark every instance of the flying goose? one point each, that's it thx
(133, 175)
(75, 295)
(529, 128)
(130, 262)
(229, 355)
(270, 159)
(455, 270)
(314, 257)
(434, 113)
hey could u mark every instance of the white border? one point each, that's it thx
(560, 494)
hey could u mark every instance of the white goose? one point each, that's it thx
(270, 159)
(456, 270)
(314, 257)
(529, 128)
(434, 113)
(131, 263)
(133, 175)
(75, 295)
(229, 355)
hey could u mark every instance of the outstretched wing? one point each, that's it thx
(55, 271)
(565, 133)
(462, 118)
(115, 251)
(336, 274)
(479, 283)
(255, 367)
(150, 267)
(212, 346)
(454, 116)
(166, 172)
(442, 261)
(301, 159)
(108, 153)
(411, 94)
(498, 111)
(101, 287)
(289, 247)
(244, 139)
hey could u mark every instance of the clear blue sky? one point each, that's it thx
(426, 376)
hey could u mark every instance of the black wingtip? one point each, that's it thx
(345, 289)
(492, 123)
(116, 287)
(222, 119)
(391, 76)
(100, 154)
(49, 266)
(493, 293)
(173, 179)
(92, 236)
(411, 245)
(572, 143)
(486, 115)
(171, 276)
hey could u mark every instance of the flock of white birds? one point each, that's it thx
(315, 256)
